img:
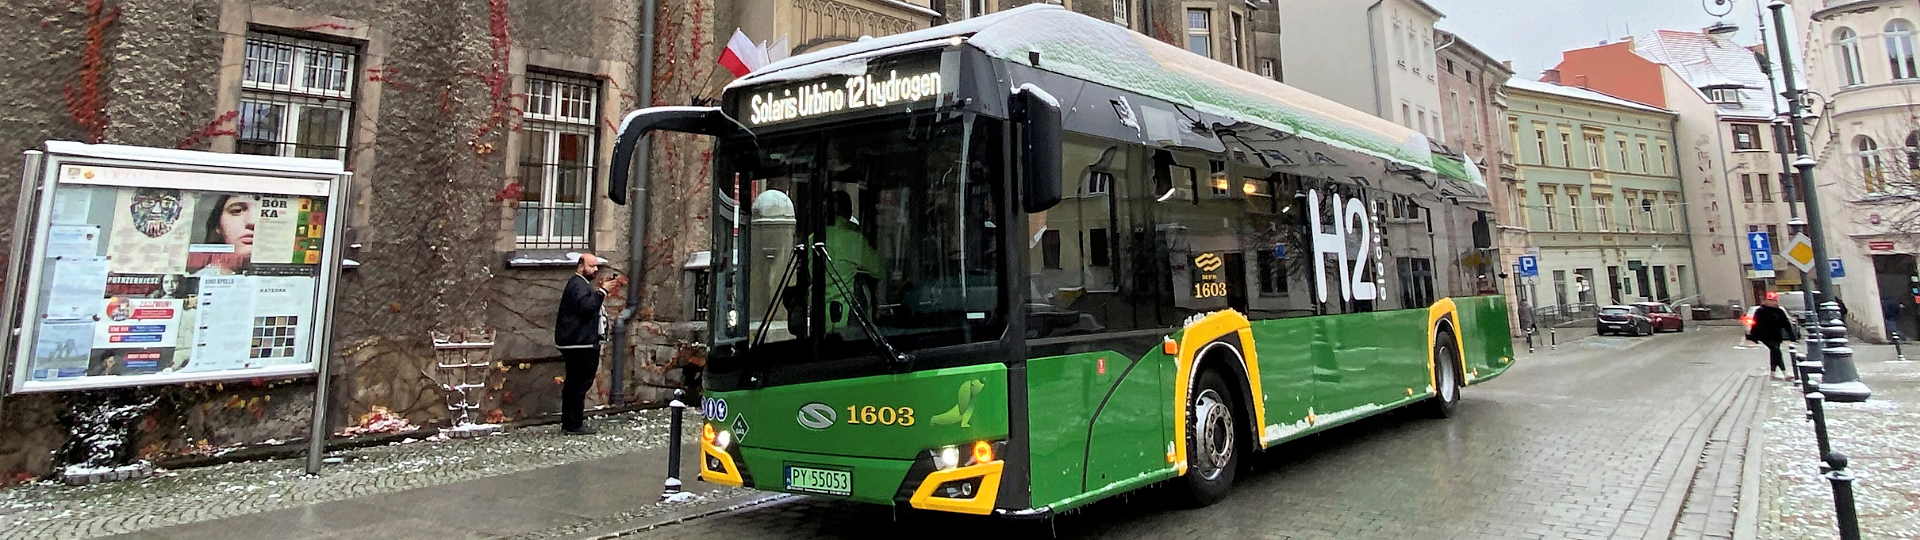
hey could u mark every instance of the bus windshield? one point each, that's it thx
(895, 221)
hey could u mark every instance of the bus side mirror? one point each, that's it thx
(1041, 137)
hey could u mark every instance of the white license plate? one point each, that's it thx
(822, 481)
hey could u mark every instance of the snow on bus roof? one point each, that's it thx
(1089, 49)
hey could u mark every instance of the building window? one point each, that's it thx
(1663, 159)
(1200, 32)
(1099, 183)
(1773, 233)
(1900, 48)
(1766, 187)
(1267, 69)
(296, 97)
(1540, 142)
(1746, 137)
(1273, 271)
(1913, 152)
(1099, 248)
(1868, 153)
(1787, 188)
(1629, 197)
(1724, 96)
(1603, 211)
(1673, 214)
(1221, 186)
(1473, 120)
(1423, 121)
(1566, 147)
(1746, 187)
(1120, 15)
(557, 155)
(1237, 36)
(1644, 166)
(1595, 160)
(1546, 205)
(1573, 209)
(1516, 207)
(1849, 44)
(1050, 249)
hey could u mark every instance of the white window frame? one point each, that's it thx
(1267, 68)
(1872, 171)
(1851, 72)
(1573, 208)
(1899, 38)
(1239, 28)
(559, 105)
(279, 71)
(1547, 196)
(1205, 31)
(1602, 211)
(1099, 183)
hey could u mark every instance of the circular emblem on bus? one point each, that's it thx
(816, 416)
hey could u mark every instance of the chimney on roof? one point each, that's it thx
(1508, 63)
(1582, 81)
(1551, 76)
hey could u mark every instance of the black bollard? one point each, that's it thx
(673, 449)
(1553, 335)
(1843, 511)
(1816, 405)
(1898, 355)
(1529, 340)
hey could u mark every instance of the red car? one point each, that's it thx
(1664, 317)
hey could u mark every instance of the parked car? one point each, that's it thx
(1663, 315)
(1628, 320)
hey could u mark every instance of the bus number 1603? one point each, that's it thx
(886, 416)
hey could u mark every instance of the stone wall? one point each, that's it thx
(432, 205)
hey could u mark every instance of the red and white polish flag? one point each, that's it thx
(742, 56)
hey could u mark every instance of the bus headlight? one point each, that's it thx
(722, 440)
(947, 457)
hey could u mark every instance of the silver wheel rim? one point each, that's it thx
(1448, 389)
(1213, 429)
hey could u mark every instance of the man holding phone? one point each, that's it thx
(577, 332)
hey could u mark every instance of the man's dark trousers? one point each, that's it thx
(582, 364)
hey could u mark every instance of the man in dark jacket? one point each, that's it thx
(576, 331)
(1771, 325)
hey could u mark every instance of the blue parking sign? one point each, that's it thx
(1760, 246)
(1835, 269)
(1529, 266)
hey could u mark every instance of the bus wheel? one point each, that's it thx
(1212, 453)
(1446, 379)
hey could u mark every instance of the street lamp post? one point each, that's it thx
(1839, 381)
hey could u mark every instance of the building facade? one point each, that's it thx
(1474, 105)
(1723, 96)
(1859, 57)
(479, 135)
(1608, 228)
(1376, 57)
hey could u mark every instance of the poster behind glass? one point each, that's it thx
(164, 284)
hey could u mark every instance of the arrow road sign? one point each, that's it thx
(1529, 266)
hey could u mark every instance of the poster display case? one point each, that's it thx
(149, 266)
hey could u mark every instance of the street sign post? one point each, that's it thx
(1529, 266)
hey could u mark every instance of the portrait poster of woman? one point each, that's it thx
(223, 234)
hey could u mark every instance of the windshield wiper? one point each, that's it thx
(899, 361)
(786, 276)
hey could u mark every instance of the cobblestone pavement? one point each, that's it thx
(236, 491)
(1608, 437)
(1881, 438)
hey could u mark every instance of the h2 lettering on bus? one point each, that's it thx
(1334, 241)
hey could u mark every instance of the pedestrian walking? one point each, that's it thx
(1770, 327)
(577, 333)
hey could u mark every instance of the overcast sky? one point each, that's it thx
(1532, 33)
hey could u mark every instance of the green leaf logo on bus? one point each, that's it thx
(962, 411)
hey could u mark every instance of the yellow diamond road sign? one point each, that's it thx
(1799, 251)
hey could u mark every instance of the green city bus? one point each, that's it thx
(1019, 263)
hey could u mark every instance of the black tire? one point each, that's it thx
(1446, 377)
(1213, 445)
